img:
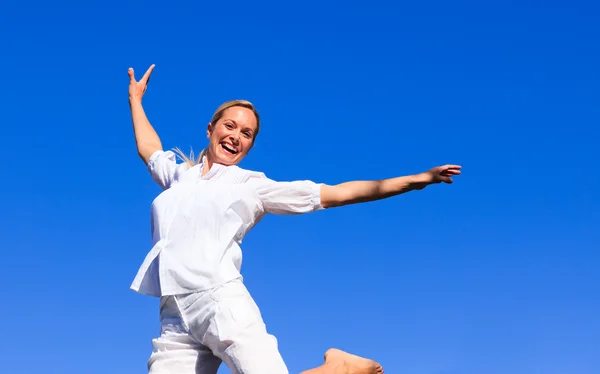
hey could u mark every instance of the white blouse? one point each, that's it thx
(198, 222)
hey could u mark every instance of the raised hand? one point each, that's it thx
(137, 89)
(441, 174)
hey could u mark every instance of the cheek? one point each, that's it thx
(216, 137)
(247, 145)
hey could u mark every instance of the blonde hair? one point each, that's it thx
(215, 118)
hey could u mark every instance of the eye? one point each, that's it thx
(228, 125)
(247, 134)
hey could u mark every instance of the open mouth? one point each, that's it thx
(229, 148)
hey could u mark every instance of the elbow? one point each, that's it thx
(351, 193)
(334, 196)
(325, 204)
(326, 196)
(328, 204)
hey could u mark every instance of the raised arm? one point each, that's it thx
(363, 191)
(146, 138)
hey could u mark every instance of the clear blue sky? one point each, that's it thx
(495, 274)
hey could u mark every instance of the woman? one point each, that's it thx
(198, 222)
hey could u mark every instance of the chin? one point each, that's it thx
(227, 160)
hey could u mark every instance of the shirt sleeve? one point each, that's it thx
(294, 197)
(163, 168)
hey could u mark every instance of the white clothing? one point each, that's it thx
(198, 222)
(202, 329)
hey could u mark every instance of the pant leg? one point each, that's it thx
(227, 320)
(175, 350)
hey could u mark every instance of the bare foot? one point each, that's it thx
(353, 364)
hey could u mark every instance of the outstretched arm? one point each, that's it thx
(146, 138)
(363, 191)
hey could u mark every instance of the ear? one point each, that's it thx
(209, 130)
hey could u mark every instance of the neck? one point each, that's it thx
(207, 163)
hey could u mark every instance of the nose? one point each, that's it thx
(235, 137)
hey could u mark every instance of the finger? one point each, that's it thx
(451, 167)
(450, 172)
(146, 76)
(131, 75)
(447, 180)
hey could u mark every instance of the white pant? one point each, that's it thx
(200, 330)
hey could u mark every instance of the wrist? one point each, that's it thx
(420, 181)
(135, 101)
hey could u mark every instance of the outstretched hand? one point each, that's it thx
(137, 89)
(441, 174)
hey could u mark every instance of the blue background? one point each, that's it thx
(497, 273)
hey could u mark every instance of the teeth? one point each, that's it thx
(229, 148)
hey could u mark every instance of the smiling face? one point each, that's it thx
(232, 135)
